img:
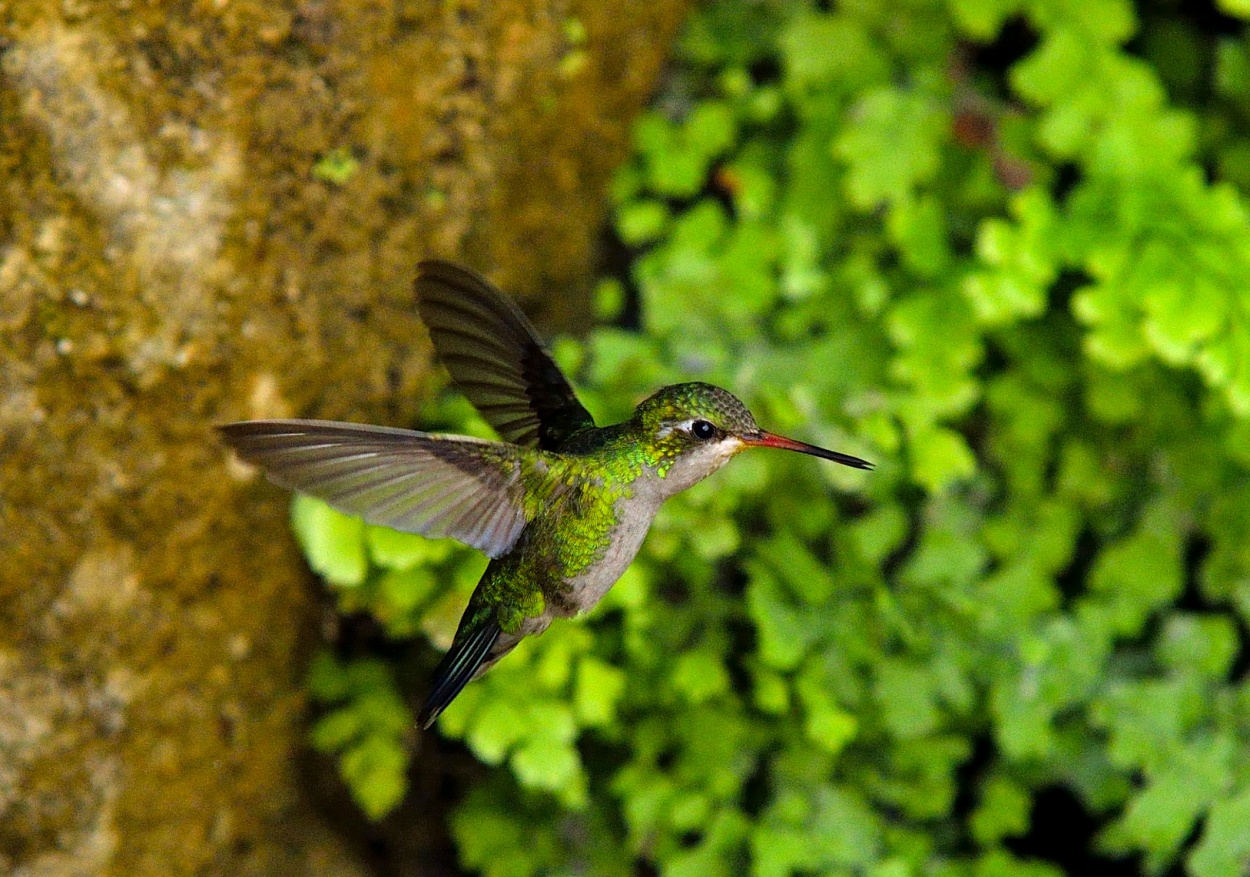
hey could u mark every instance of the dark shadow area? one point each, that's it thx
(1063, 832)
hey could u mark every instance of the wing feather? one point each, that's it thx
(454, 486)
(496, 358)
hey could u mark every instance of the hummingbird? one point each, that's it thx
(560, 505)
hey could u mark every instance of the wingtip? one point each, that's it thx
(229, 432)
(446, 270)
(431, 264)
(237, 432)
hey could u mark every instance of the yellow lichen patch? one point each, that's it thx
(265, 401)
(104, 580)
(165, 224)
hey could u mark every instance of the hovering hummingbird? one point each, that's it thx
(561, 506)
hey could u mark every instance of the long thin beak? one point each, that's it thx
(764, 439)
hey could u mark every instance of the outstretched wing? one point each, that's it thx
(464, 488)
(496, 358)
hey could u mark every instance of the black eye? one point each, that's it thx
(702, 430)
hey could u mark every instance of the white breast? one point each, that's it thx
(587, 589)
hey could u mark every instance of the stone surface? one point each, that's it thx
(211, 211)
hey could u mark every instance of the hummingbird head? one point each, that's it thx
(691, 430)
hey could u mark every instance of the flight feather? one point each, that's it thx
(495, 357)
(464, 488)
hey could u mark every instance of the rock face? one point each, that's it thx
(209, 212)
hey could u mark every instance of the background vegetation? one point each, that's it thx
(1000, 248)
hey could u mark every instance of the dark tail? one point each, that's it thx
(472, 645)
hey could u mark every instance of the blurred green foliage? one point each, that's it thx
(1018, 282)
(365, 727)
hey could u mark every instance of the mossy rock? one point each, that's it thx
(210, 213)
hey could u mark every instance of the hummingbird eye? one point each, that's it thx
(702, 430)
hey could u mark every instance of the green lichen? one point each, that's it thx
(336, 166)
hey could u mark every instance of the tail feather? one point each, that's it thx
(470, 648)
